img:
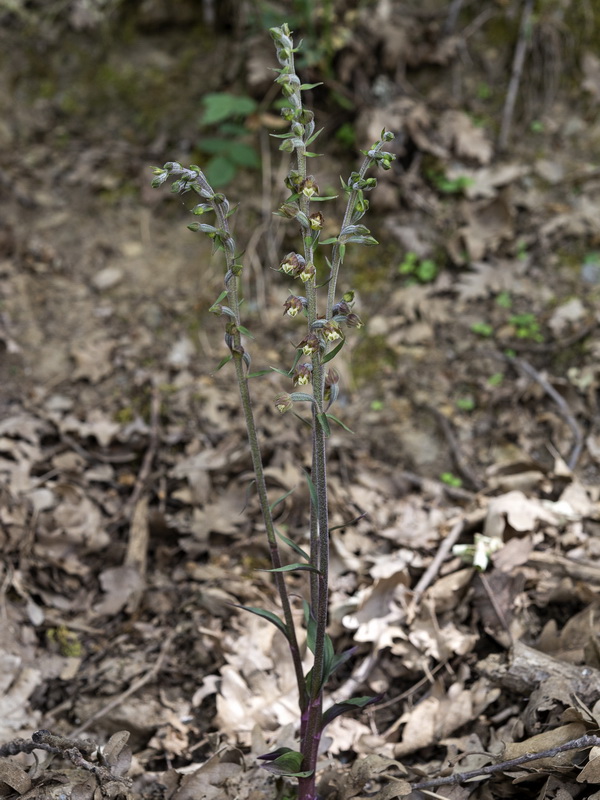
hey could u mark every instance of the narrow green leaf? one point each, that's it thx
(245, 331)
(304, 86)
(324, 423)
(314, 136)
(258, 374)
(350, 522)
(312, 489)
(285, 762)
(348, 705)
(280, 499)
(222, 362)
(339, 422)
(293, 568)
(334, 352)
(268, 615)
(295, 547)
(328, 658)
(222, 296)
(311, 628)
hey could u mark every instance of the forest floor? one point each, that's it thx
(127, 529)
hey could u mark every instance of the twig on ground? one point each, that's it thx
(452, 18)
(135, 686)
(460, 777)
(144, 473)
(517, 71)
(439, 558)
(564, 409)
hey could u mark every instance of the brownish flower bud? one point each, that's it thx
(332, 377)
(341, 308)
(354, 321)
(283, 403)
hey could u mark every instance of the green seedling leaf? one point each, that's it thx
(334, 352)
(339, 422)
(292, 568)
(295, 547)
(348, 705)
(268, 615)
(285, 762)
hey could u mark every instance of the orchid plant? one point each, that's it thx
(314, 381)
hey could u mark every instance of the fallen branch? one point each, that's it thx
(460, 777)
(563, 407)
(517, 71)
(135, 686)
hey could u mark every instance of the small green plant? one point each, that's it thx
(521, 250)
(484, 91)
(314, 382)
(504, 300)
(466, 403)
(526, 327)
(483, 329)
(418, 270)
(228, 149)
(447, 185)
(495, 379)
(450, 479)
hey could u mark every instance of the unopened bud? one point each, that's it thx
(354, 321)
